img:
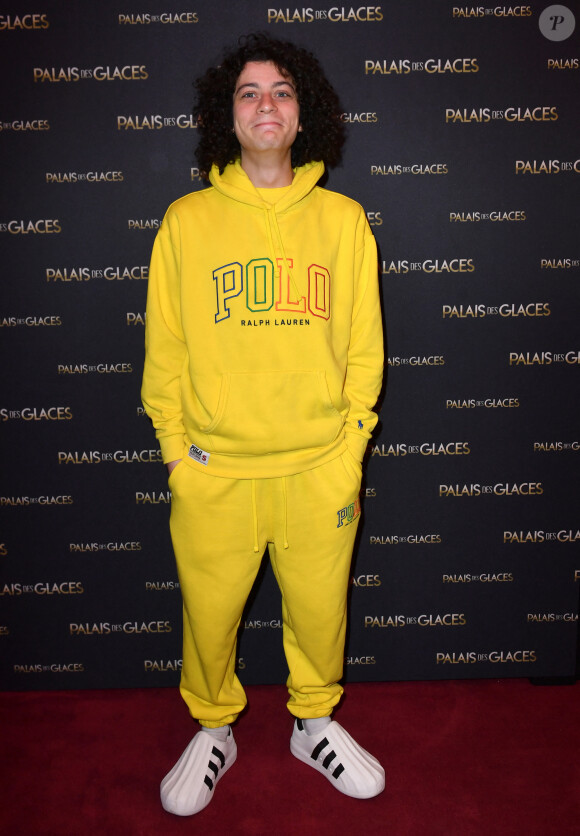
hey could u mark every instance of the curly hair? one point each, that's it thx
(322, 136)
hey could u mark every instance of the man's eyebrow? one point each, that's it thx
(255, 85)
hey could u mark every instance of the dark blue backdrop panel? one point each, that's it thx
(462, 147)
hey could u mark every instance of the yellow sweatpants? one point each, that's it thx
(220, 529)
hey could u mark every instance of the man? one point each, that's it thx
(264, 359)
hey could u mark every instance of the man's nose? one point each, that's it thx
(267, 104)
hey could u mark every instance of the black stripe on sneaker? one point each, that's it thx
(219, 755)
(328, 759)
(338, 771)
(207, 780)
(318, 749)
(299, 724)
(214, 768)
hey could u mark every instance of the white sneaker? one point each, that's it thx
(190, 785)
(333, 753)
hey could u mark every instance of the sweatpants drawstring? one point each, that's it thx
(255, 517)
(285, 498)
(284, 512)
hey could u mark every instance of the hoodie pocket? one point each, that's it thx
(273, 412)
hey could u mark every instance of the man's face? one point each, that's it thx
(266, 112)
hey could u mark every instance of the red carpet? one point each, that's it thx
(471, 757)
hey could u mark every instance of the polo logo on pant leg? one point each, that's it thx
(349, 513)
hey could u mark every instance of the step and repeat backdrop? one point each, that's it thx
(463, 148)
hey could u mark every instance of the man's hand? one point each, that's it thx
(172, 465)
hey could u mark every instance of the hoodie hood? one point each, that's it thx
(235, 183)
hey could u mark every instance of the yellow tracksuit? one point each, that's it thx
(263, 362)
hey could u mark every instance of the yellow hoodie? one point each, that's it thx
(264, 351)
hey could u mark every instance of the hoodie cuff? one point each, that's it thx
(357, 444)
(171, 448)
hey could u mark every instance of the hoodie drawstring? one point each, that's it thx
(272, 223)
